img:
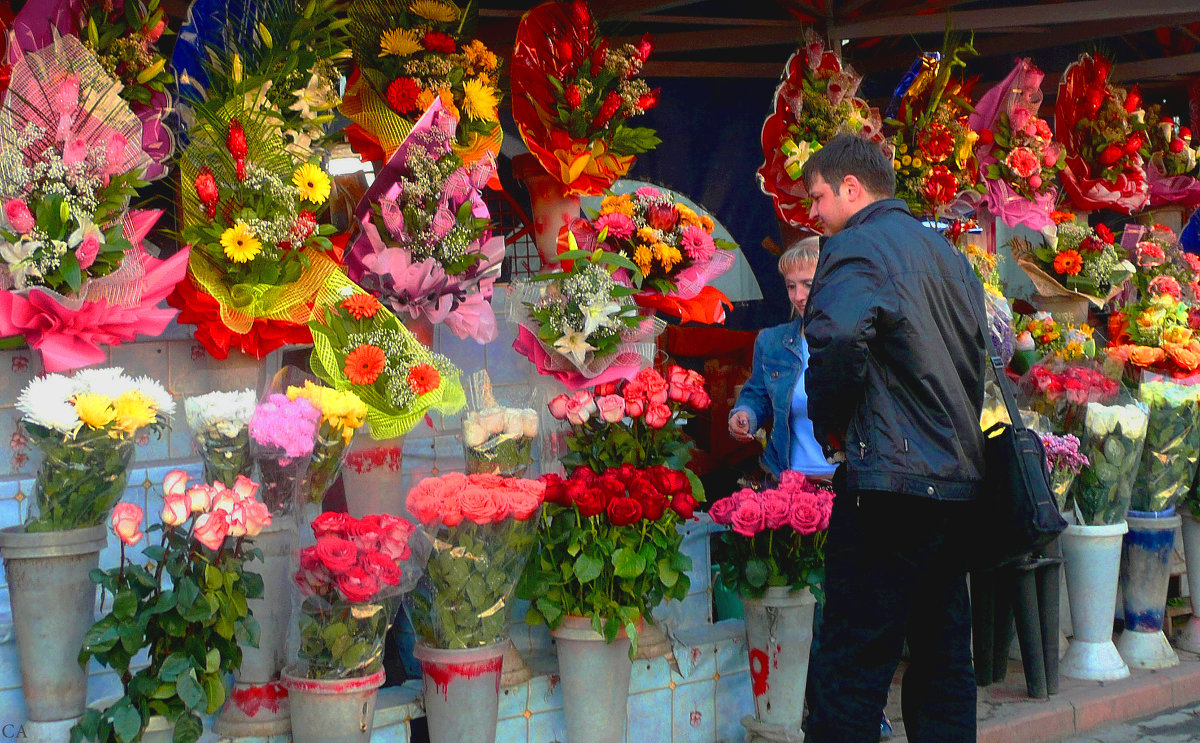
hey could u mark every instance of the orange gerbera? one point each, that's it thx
(361, 305)
(364, 364)
(1068, 262)
(424, 379)
(1061, 217)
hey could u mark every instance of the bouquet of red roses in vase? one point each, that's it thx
(1171, 168)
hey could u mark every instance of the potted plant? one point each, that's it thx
(481, 528)
(608, 553)
(773, 556)
(350, 582)
(190, 626)
(86, 427)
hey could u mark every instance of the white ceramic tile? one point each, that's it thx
(693, 713)
(649, 717)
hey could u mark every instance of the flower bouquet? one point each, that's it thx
(406, 56)
(777, 536)
(73, 271)
(1113, 436)
(1172, 448)
(1100, 127)
(814, 101)
(342, 413)
(482, 528)
(86, 427)
(581, 326)
(1074, 260)
(573, 95)
(1065, 463)
(220, 433)
(1155, 333)
(499, 440)
(186, 606)
(670, 245)
(1039, 335)
(283, 432)
(1061, 390)
(350, 580)
(425, 248)
(609, 548)
(1018, 157)
(360, 347)
(934, 147)
(1171, 169)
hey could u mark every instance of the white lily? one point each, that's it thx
(575, 346)
(597, 316)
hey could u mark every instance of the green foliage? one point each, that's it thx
(79, 480)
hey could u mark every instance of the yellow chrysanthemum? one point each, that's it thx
(687, 217)
(479, 57)
(435, 10)
(312, 183)
(668, 256)
(399, 42)
(479, 100)
(240, 244)
(707, 223)
(622, 204)
(425, 98)
(642, 257)
(648, 235)
(93, 409)
(133, 411)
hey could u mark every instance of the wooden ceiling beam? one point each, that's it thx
(995, 18)
(626, 8)
(677, 20)
(723, 38)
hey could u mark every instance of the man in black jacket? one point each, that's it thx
(896, 384)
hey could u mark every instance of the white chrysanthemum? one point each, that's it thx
(46, 401)
(110, 381)
(228, 412)
(154, 390)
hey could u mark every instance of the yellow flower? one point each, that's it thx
(240, 244)
(133, 411)
(435, 10)
(895, 164)
(1177, 334)
(707, 223)
(906, 160)
(642, 257)
(668, 256)
(1074, 350)
(622, 204)
(399, 42)
(479, 57)
(648, 235)
(447, 98)
(479, 100)
(687, 217)
(312, 183)
(425, 98)
(917, 162)
(93, 409)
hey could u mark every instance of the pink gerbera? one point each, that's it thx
(697, 243)
(620, 226)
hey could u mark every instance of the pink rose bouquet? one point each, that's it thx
(350, 580)
(190, 592)
(776, 536)
(481, 528)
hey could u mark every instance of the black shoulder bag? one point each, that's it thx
(1017, 513)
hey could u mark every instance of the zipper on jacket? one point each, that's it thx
(862, 449)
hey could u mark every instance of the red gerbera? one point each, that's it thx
(361, 305)
(364, 364)
(936, 142)
(423, 379)
(940, 186)
(438, 42)
(402, 95)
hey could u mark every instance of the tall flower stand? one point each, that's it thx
(1189, 637)
(595, 681)
(778, 639)
(1092, 557)
(1145, 573)
(462, 691)
(53, 605)
(258, 704)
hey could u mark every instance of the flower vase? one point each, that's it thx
(371, 476)
(595, 681)
(1189, 637)
(53, 605)
(779, 633)
(551, 209)
(332, 710)
(1145, 573)
(462, 691)
(258, 705)
(1092, 557)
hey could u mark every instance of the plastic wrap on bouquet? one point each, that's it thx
(342, 414)
(78, 481)
(350, 581)
(282, 435)
(1172, 448)
(1065, 463)
(1062, 390)
(498, 439)
(1171, 190)
(480, 529)
(220, 433)
(1113, 436)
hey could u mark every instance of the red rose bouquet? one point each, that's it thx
(609, 548)
(573, 94)
(776, 536)
(1171, 169)
(350, 580)
(1100, 127)
(482, 528)
(814, 102)
(670, 245)
(1061, 390)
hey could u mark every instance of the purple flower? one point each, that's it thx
(287, 425)
(1062, 453)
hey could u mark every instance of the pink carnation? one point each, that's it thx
(620, 226)
(1166, 285)
(1023, 162)
(697, 243)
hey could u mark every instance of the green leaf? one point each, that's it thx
(125, 605)
(550, 611)
(70, 270)
(756, 573)
(628, 563)
(188, 728)
(174, 666)
(127, 723)
(190, 692)
(214, 689)
(588, 568)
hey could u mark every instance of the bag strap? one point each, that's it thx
(997, 364)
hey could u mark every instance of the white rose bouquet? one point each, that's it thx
(499, 440)
(220, 429)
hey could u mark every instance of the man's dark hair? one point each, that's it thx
(847, 154)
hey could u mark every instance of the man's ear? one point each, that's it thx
(853, 187)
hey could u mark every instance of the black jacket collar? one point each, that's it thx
(876, 207)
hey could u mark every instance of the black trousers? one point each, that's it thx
(895, 568)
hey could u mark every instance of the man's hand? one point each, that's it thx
(739, 426)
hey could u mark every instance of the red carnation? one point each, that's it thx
(612, 103)
(1110, 155)
(1091, 244)
(986, 137)
(936, 142)
(236, 142)
(438, 42)
(402, 95)
(941, 185)
(206, 189)
(1105, 234)
(644, 47)
(571, 93)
